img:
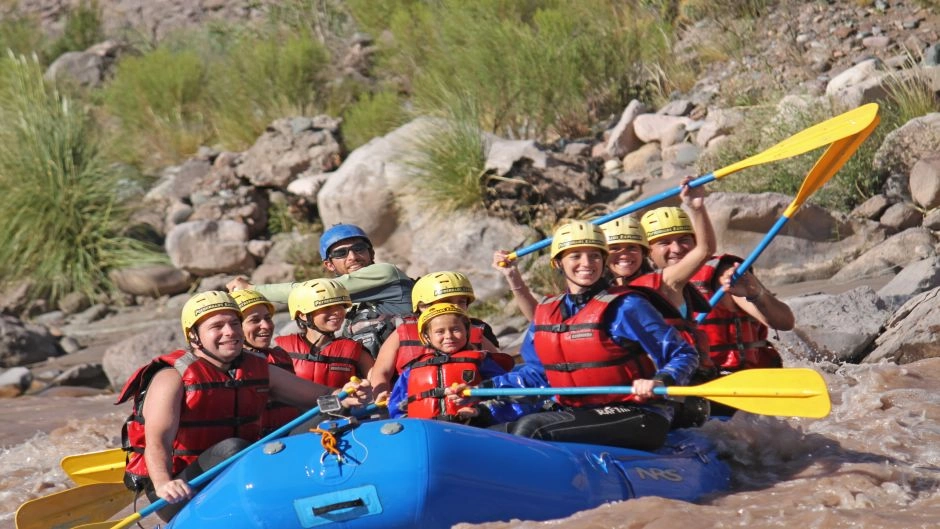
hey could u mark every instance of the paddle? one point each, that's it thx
(73, 506)
(791, 392)
(106, 466)
(214, 471)
(844, 125)
(825, 168)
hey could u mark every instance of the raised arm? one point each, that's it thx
(524, 298)
(675, 277)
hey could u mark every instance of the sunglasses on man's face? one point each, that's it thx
(341, 253)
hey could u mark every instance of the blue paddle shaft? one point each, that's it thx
(593, 390)
(636, 206)
(214, 471)
(746, 265)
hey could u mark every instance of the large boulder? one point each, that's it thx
(902, 148)
(913, 331)
(835, 328)
(812, 245)
(208, 247)
(151, 280)
(891, 255)
(362, 191)
(122, 359)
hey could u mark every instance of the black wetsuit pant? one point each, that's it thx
(214, 455)
(622, 425)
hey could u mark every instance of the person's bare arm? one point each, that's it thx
(162, 408)
(677, 276)
(301, 393)
(525, 300)
(381, 374)
(751, 296)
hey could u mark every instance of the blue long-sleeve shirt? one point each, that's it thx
(628, 318)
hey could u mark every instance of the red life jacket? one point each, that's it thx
(276, 413)
(687, 327)
(577, 351)
(435, 371)
(736, 340)
(333, 365)
(216, 406)
(410, 347)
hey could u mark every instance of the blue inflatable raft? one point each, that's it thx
(430, 474)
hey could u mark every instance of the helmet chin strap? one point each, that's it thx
(196, 343)
(307, 323)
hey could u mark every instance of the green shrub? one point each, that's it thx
(261, 78)
(61, 209)
(852, 185)
(911, 94)
(160, 102)
(535, 69)
(82, 29)
(449, 163)
(372, 116)
(21, 34)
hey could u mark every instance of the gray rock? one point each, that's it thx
(925, 182)
(503, 154)
(74, 302)
(623, 137)
(289, 147)
(88, 375)
(902, 148)
(15, 380)
(835, 328)
(872, 208)
(123, 358)
(913, 331)
(901, 216)
(151, 280)
(915, 278)
(897, 251)
(22, 344)
(208, 247)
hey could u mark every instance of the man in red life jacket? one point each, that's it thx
(737, 327)
(195, 408)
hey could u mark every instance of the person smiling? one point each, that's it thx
(598, 335)
(195, 408)
(379, 291)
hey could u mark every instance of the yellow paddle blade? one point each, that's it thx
(106, 466)
(819, 135)
(829, 164)
(789, 392)
(70, 507)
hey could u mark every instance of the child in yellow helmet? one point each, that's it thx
(402, 346)
(448, 358)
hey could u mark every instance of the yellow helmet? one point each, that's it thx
(204, 304)
(625, 230)
(317, 294)
(435, 310)
(439, 285)
(245, 299)
(660, 222)
(577, 234)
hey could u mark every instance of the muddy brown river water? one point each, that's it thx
(873, 463)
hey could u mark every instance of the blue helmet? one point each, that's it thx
(337, 233)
